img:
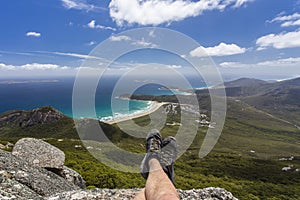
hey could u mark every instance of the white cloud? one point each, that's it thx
(144, 43)
(287, 20)
(119, 38)
(37, 66)
(279, 41)
(76, 55)
(32, 66)
(91, 43)
(79, 5)
(155, 12)
(33, 34)
(291, 23)
(285, 62)
(232, 65)
(174, 66)
(136, 42)
(281, 18)
(36, 69)
(279, 63)
(240, 3)
(221, 50)
(92, 24)
(6, 67)
(269, 69)
(146, 69)
(17, 53)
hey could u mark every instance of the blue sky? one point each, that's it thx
(245, 38)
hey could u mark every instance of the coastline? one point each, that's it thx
(154, 107)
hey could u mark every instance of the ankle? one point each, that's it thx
(154, 165)
(153, 161)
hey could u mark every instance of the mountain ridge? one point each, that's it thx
(242, 82)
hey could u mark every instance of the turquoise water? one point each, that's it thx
(22, 94)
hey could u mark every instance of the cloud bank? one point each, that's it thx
(282, 68)
(35, 70)
(32, 66)
(279, 63)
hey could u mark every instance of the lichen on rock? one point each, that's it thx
(39, 153)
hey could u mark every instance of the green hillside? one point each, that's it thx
(281, 99)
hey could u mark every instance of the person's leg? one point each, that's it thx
(158, 168)
(158, 185)
(140, 195)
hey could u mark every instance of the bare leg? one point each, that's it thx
(158, 185)
(140, 195)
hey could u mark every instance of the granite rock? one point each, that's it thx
(12, 189)
(71, 176)
(39, 153)
(127, 194)
(30, 177)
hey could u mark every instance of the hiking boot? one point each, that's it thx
(153, 150)
(168, 156)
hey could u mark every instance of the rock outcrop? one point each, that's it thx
(42, 154)
(127, 194)
(17, 175)
(210, 193)
(12, 189)
(25, 174)
(39, 153)
(35, 169)
(71, 176)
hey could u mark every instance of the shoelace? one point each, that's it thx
(155, 145)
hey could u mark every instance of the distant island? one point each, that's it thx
(9, 82)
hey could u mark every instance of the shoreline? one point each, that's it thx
(153, 108)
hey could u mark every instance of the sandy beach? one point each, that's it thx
(153, 108)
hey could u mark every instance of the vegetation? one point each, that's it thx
(245, 160)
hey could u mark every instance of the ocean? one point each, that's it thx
(27, 94)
